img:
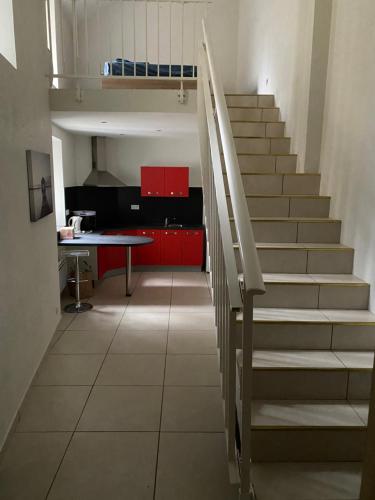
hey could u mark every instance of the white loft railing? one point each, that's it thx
(232, 298)
(93, 39)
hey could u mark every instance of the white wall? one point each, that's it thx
(7, 41)
(274, 57)
(125, 156)
(348, 147)
(29, 290)
(68, 154)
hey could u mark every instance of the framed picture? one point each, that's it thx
(40, 184)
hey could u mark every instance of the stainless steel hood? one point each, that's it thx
(99, 176)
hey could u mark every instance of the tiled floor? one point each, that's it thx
(126, 404)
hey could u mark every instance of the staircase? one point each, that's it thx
(313, 335)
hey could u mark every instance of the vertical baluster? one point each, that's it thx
(134, 42)
(75, 37)
(122, 39)
(195, 43)
(87, 37)
(158, 28)
(146, 34)
(182, 37)
(62, 36)
(100, 37)
(170, 38)
(246, 385)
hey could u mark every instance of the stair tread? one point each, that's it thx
(283, 196)
(303, 414)
(302, 359)
(292, 219)
(307, 481)
(328, 279)
(329, 316)
(300, 246)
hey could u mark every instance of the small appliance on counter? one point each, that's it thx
(88, 220)
(75, 223)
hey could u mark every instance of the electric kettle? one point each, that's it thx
(75, 223)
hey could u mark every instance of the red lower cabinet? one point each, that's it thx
(176, 247)
(171, 248)
(192, 248)
(149, 255)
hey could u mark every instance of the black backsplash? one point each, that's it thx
(112, 206)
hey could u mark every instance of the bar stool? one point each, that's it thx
(79, 306)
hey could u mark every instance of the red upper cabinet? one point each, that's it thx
(165, 181)
(152, 181)
(177, 181)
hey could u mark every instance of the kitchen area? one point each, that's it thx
(163, 207)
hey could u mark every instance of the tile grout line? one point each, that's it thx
(162, 394)
(84, 406)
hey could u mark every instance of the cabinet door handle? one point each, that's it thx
(171, 192)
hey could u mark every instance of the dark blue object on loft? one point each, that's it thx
(120, 67)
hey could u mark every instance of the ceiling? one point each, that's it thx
(113, 124)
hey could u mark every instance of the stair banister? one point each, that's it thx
(253, 280)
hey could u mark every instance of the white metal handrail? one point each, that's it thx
(253, 279)
(90, 33)
(215, 130)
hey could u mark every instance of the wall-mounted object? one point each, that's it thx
(171, 182)
(40, 184)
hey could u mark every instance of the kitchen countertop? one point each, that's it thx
(98, 239)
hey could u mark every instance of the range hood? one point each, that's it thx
(99, 176)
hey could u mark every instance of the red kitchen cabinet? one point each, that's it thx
(152, 181)
(176, 182)
(192, 248)
(172, 182)
(149, 255)
(171, 248)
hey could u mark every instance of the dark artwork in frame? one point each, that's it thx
(40, 184)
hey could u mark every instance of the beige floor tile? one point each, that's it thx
(139, 342)
(29, 464)
(194, 342)
(307, 481)
(56, 336)
(99, 318)
(191, 321)
(65, 321)
(69, 369)
(112, 465)
(82, 342)
(52, 408)
(145, 321)
(122, 409)
(192, 409)
(132, 369)
(185, 369)
(147, 308)
(193, 466)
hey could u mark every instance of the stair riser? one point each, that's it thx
(251, 101)
(305, 336)
(315, 445)
(256, 129)
(294, 232)
(267, 164)
(314, 296)
(255, 114)
(289, 384)
(280, 184)
(262, 146)
(302, 261)
(287, 207)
